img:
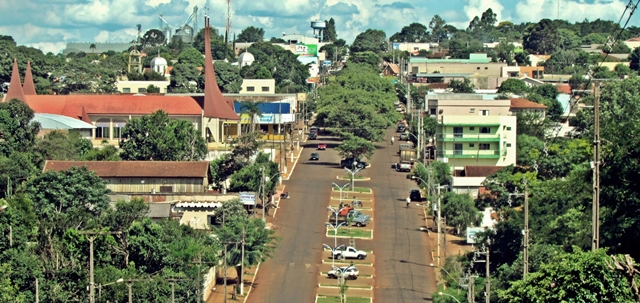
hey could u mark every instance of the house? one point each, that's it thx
(144, 176)
(632, 43)
(477, 64)
(212, 114)
(140, 87)
(521, 105)
(391, 70)
(439, 105)
(535, 72)
(531, 82)
(258, 86)
(413, 47)
(469, 180)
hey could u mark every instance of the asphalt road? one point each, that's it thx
(402, 273)
(402, 251)
(291, 276)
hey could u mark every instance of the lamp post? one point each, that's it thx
(333, 251)
(173, 289)
(335, 233)
(130, 285)
(340, 188)
(353, 176)
(443, 294)
(101, 285)
(439, 213)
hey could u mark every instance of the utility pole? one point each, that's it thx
(242, 264)
(595, 230)
(488, 273)
(526, 234)
(262, 187)
(91, 237)
(439, 223)
(471, 290)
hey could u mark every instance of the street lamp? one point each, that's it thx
(443, 294)
(333, 251)
(335, 233)
(340, 188)
(130, 284)
(91, 235)
(101, 285)
(343, 271)
(439, 212)
(353, 176)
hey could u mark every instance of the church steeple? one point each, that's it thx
(215, 106)
(15, 88)
(28, 88)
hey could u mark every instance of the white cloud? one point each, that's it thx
(102, 36)
(46, 47)
(534, 10)
(477, 7)
(155, 3)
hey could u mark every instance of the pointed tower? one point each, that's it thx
(84, 116)
(215, 106)
(15, 88)
(28, 87)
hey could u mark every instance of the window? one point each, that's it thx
(484, 146)
(457, 132)
(117, 128)
(265, 88)
(102, 129)
(478, 68)
(508, 144)
(485, 130)
(472, 110)
(472, 128)
(251, 89)
(484, 112)
(486, 68)
(471, 145)
(126, 90)
(142, 90)
(432, 111)
(508, 127)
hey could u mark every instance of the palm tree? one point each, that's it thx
(252, 109)
(92, 47)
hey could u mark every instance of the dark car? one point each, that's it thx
(313, 135)
(314, 156)
(415, 195)
(349, 163)
(401, 128)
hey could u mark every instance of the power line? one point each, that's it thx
(573, 101)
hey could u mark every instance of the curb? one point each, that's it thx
(252, 281)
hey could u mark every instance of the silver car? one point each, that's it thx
(350, 273)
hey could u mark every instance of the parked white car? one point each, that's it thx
(349, 253)
(351, 273)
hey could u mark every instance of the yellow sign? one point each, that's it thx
(245, 119)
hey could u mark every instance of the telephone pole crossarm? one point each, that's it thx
(91, 236)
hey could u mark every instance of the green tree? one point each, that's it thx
(372, 40)
(263, 73)
(289, 73)
(59, 145)
(594, 38)
(369, 58)
(17, 130)
(541, 38)
(356, 147)
(152, 89)
(522, 58)
(227, 76)
(556, 281)
(437, 29)
(184, 78)
(622, 70)
(634, 59)
(414, 32)
(191, 56)
(462, 86)
(159, 138)
(107, 152)
(329, 33)
(252, 235)
(460, 211)
(251, 34)
(515, 86)
(153, 37)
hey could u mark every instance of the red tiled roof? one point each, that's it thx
(481, 171)
(394, 68)
(84, 117)
(564, 88)
(215, 105)
(15, 87)
(634, 39)
(28, 88)
(72, 105)
(524, 103)
(136, 169)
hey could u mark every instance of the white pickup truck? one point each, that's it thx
(349, 253)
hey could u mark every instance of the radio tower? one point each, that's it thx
(227, 29)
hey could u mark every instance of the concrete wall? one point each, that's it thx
(487, 69)
(465, 105)
(135, 87)
(258, 86)
(148, 185)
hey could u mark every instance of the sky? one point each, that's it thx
(50, 24)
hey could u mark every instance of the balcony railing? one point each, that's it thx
(457, 137)
(481, 154)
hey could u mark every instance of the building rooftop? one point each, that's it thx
(473, 58)
(52, 121)
(136, 169)
(442, 75)
(525, 104)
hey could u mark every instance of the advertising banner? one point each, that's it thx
(471, 234)
(307, 49)
(248, 197)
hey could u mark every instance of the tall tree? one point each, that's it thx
(541, 38)
(414, 32)
(190, 55)
(251, 34)
(17, 130)
(153, 37)
(159, 138)
(373, 40)
(437, 29)
(227, 76)
(329, 33)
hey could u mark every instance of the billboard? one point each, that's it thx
(307, 49)
(471, 234)
(248, 197)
